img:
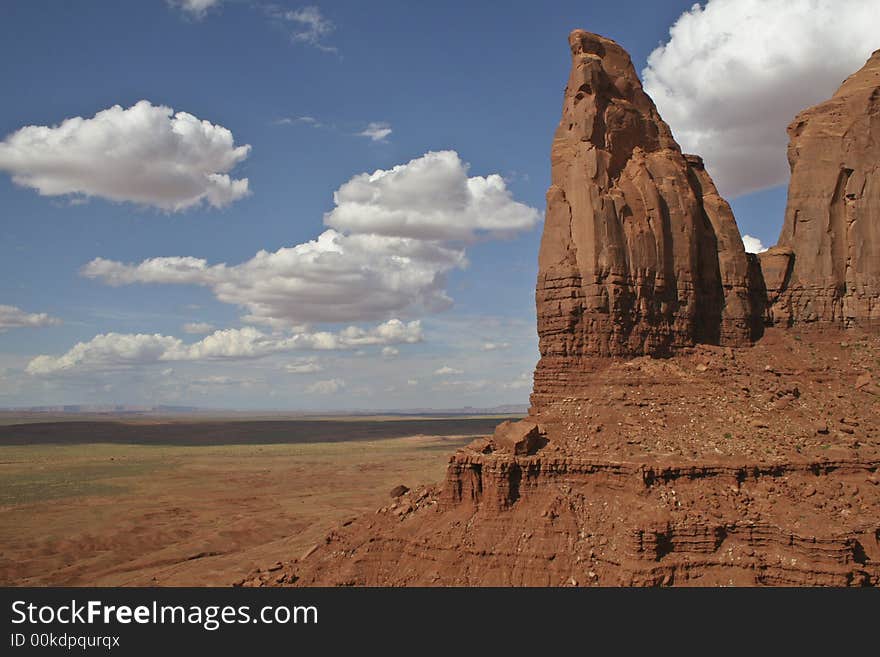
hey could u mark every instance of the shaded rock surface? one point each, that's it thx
(832, 221)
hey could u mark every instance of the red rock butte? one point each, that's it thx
(686, 427)
(640, 255)
(826, 267)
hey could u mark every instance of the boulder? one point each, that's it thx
(399, 491)
(521, 438)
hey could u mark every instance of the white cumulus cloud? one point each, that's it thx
(395, 235)
(335, 278)
(447, 371)
(145, 154)
(113, 350)
(753, 244)
(107, 350)
(430, 197)
(735, 72)
(14, 317)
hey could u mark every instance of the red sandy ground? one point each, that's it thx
(206, 515)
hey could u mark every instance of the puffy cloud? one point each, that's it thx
(107, 350)
(393, 259)
(247, 342)
(391, 332)
(112, 350)
(197, 328)
(335, 278)
(145, 154)
(195, 8)
(155, 270)
(327, 387)
(430, 197)
(13, 317)
(390, 352)
(376, 131)
(446, 371)
(753, 244)
(735, 72)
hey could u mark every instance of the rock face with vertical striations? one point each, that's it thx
(832, 222)
(640, 255)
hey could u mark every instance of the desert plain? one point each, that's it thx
(121, 509)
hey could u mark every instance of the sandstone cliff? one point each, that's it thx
(640, 254)
(826, 268)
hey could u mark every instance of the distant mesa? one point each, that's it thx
(109, 409)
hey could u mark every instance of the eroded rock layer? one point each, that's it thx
(716, 466)
(576, 522)
(832, 221)
(640, 255)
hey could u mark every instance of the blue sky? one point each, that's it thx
(313, 90)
